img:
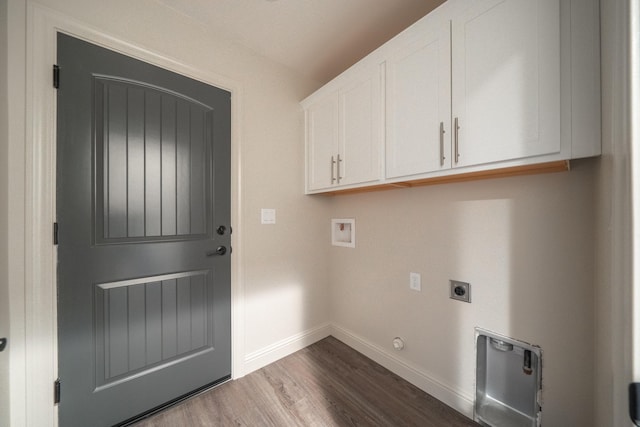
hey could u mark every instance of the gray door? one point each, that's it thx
(143, 202)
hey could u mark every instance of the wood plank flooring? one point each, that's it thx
(325, 384)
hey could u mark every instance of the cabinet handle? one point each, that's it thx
(456, 149)
(442, 158)
(333, 178)
(339, 161)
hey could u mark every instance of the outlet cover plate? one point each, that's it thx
(460, 291)
(267, 216)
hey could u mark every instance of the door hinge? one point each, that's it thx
(56, 76)
(634, 403)
(55, 233)
(56, 391)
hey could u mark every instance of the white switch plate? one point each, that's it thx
(268, 216)
(414, 282)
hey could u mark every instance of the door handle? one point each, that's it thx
(220, 250)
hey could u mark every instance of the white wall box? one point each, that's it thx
(473, 89)
(343, 232)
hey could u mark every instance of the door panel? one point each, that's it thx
(144, 323)
(150, 148)
(143, 178)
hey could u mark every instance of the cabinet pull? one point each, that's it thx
(339, 161)
(442, 158)
(455, 133)
(333, 178)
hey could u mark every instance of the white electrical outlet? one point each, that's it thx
(414, 282)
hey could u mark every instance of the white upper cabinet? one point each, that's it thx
(506, 80)
(344, 128)
(418, 88)
(473, 87)
(322, 141)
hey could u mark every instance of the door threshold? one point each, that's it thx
(174, 402)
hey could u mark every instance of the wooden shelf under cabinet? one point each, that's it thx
(558, 166)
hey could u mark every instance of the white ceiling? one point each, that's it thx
(317, 38)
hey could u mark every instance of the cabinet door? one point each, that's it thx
(360, 130)
(322, 142)
(506, 80)
(419, 102)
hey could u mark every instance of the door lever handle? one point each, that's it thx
(220, 250)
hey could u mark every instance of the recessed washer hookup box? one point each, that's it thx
(508, 381)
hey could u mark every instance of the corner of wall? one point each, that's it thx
(614, 246)
(271, 353)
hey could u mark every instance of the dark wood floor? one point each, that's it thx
(325, 384)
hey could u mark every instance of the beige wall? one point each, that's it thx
(525, 244)
(4, 221)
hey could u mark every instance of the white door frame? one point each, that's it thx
(634, 83)
(40, 346)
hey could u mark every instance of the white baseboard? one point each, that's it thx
(412, 374)
(446, 394)
(261, 358)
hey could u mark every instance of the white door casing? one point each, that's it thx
(38, 344)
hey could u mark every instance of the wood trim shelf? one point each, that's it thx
(539, 168)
